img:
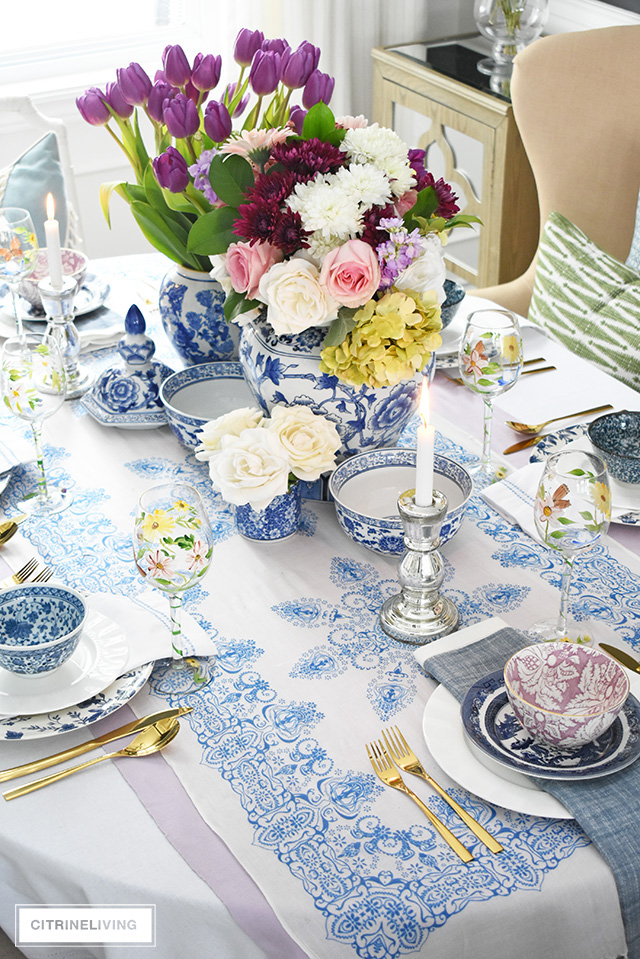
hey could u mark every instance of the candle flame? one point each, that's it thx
(51, 207)
(424, 409)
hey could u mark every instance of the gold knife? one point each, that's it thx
(621, 656)
(522, 445)
(134, 727)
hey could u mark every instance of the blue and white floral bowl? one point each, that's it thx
(40, 627)
(616, 438)
(201, 393)
(454, 295)
(366, 490)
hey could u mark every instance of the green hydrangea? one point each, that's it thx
(392, 339)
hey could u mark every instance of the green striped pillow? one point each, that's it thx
(587, 300)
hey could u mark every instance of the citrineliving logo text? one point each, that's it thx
(81, 925)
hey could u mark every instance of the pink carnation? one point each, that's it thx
(351, 273)
(406, 202)
(246, 265)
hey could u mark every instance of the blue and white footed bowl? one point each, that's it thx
(201, 393)
(40, 627)
(285, 369)
(454, 295)
(366, 490)
(192, 314)
(279, 520)
(616, 439)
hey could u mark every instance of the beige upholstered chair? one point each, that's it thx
(576, 100)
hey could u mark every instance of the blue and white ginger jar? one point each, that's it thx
(192, 313)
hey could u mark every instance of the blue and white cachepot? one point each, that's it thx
(192, 313)
(279, 520)
(286, 369)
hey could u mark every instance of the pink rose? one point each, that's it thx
(351, 273)
(246, 265)
(406, 201)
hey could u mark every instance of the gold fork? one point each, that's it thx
(387, 772)
(45, 574)
(21, 576)
(406, 759)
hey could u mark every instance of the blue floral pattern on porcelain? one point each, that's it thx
(187, 426)
(40, 627)
(192, 314)
(285, 369)
(279, 520)
(616, 437)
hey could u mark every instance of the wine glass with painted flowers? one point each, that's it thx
(572, 511)
(173, 545)
(18, 252)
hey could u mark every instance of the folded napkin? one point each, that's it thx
(606, 808)
(145, 620)
(14, 450)
(514, 496)
(101, 327)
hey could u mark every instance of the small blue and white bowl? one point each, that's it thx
(366, 490)
(40, 627)
(616, 439)
(201, 393)
(454, 295)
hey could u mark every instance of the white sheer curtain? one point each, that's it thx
(345, 31)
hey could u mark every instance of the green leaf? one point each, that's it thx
(425, 206)
(163, 236)
(319, 122)
(558, 534)
(587, 515)
(213, 232)
(577, 472)
(106, 192)
(230, 177)
(565, 520)
(340, 328)
(483, 381)
(236, 304)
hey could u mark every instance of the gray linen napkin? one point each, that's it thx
(608, 809)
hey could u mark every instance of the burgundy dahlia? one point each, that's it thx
(308, 157)
(371, 232)
(257, 221)
(273, 187)
(289, 234)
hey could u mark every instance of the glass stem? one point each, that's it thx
(567, 571)
(175, 606)
(43, 492)
(16, 312)
(485, 462)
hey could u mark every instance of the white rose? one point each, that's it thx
(310, 440)
(220, 272)
(250, 469)
(230, 424)
(295, 300)
(427, 272)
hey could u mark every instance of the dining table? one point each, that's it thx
(262, 830)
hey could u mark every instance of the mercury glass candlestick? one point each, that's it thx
(418, 614)
(58, 305)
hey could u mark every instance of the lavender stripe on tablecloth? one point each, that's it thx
(606, 808)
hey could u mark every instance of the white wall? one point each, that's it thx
(344, 29)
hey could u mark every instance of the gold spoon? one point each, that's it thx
(538, 427)
(148, 741)
(9, 527)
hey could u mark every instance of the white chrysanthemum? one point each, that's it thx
(400, 174)
(326, 209)
(374, 144)
(365, 183)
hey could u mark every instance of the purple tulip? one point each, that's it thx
(217, 122)
(117, 102)
(160, 91)
(171, 171)
(181, 116)
(93, 108)
(176, 66)
(206, 71)
(134, 83)
(307, 47)
(319, 87)
(275, 46)
(298, 65)
(297, 115)
(264, 75)
(247, 42)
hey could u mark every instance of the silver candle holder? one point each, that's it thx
(418, 614)
(58, 305)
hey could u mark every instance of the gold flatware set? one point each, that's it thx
(395, 753)
(29, 573)
(527, 363)
(154, 733)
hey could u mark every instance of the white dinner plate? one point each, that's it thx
(443, 732)
(98, 659)
(92, 294)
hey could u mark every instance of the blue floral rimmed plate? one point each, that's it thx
(92, 294)
(491, 726)
(554, 442)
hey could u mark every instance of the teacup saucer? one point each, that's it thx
(491, 726)
(99, 658)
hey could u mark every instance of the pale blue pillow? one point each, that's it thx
(633, 260)
(29, 179)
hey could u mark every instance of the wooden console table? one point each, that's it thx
(503, 194)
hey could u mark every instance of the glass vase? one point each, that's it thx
(510, 25)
